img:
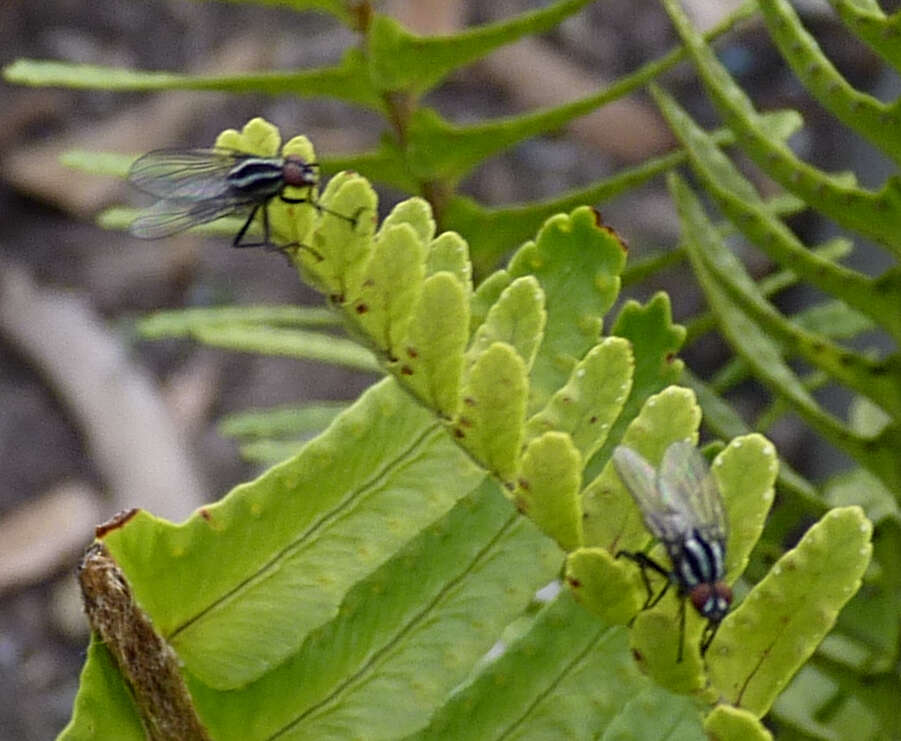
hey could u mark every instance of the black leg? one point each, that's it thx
(237, 240)
(707, 637)
(315, 204)
(681, 630)
(645, 562)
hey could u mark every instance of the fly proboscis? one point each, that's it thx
(681, 506)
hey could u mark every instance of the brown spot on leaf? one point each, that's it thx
(412, 352)
(406, 370)
(361, 308)
(573, 582)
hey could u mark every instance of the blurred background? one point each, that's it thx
(93, 420)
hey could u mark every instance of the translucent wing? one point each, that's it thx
(664, 521)
(686, 484)
(172, 216)
(186, 174)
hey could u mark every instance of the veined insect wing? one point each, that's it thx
(686, 482)
(190, 174)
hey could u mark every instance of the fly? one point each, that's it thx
(682, 507)
(196, 186)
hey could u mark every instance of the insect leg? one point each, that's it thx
(681, 630)
(709, 633)
(645, 562)
(318, 207)
(240, 235)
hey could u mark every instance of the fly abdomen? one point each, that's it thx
(257, 177)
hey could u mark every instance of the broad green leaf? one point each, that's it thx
(391, 287)
(726, 722)
(875, 214)
(104, 707)
(271, 562)
(490, 424)
(570, 676)
(547, 487)
(645, 715)
(592, 399)
(608, 587)
(740, 202)
(348, 80)
(859, 111)
(612, 520)
(655, 342)
(400, 60)
(763, 642)
(431, 360)
(517, 318)
(577, 261)
(403, 637)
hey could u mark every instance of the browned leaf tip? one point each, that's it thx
(147, 663)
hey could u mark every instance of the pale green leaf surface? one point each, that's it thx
(517, 318)
(417, 213)
(577, 260)
(341, 250)
(103, 707)
(651, 716)
(272, 561)
(764, 641)
(654, 640)
(404, 636)
(547, 487)
(492, 419)
(291, 343)
(391, 287)
(486, 295)
(449, 252)
(725, 723)
(655, 342)
(348, 80)
(401, 60)
(610, 588)
(745, 473)
(612, 519)
(569, 676)
(592, 399)
(430, 362)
